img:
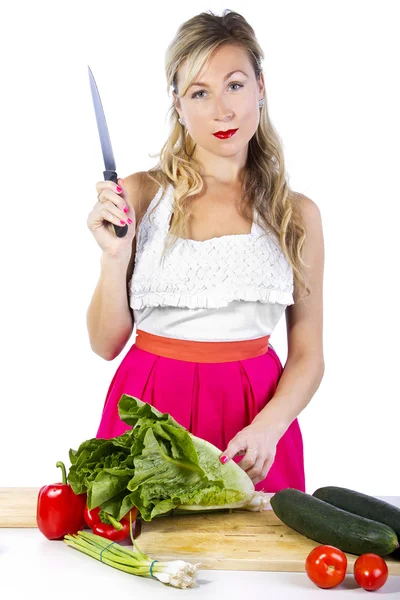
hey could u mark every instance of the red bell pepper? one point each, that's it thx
(104, 524)
(59, 510)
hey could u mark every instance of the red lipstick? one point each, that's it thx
(223, 135)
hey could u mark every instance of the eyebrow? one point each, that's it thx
(225, 78)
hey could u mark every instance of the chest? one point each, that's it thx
(216, 213)
(209, 272)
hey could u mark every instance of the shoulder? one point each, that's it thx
(140, 186)
(141, 189)
(314, 239)
(313, 251)
(309, 210)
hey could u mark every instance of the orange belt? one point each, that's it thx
(207, 352)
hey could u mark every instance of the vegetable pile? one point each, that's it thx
(157, 467)
(342, 520)
(324, 522)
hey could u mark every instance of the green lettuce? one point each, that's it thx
(157, 466)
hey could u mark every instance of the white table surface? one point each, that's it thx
(31, 565)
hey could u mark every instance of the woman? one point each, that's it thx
(218, 248)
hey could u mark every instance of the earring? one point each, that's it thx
(261, 102)
(181, 121)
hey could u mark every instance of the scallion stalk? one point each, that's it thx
(177, 573)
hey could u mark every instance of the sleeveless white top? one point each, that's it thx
(228, 288)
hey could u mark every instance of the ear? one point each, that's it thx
(261, 84)
(177, 103)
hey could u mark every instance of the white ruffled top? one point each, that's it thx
(226, 288)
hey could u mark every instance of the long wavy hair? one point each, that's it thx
(265, 185)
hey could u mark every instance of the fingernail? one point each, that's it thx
(126, 209)
(122, 222)
(130, 221)
(223, 459)
(119, 189)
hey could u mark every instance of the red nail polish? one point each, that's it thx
(223, 459)
(130, 221)
(126, 209)
(122, 222)
(119, 189)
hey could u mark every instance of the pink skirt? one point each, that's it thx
(214, 391)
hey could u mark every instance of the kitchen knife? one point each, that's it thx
(108, 156)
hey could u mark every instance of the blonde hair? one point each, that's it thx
(264, 183)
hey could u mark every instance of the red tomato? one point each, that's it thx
(370, 571)
(326, 566)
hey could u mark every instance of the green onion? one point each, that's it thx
(177, 573)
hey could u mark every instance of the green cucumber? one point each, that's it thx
(327, 524)
(361, 504)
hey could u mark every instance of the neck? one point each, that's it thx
(228, 171)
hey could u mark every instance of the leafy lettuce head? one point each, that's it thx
(156, 466)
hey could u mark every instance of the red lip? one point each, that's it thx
(225, 134)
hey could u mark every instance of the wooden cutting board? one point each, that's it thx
(240, 540)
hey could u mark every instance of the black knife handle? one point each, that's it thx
(120, 231)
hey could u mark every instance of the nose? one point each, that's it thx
(222, 111)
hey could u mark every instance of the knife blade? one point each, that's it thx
(108, 155)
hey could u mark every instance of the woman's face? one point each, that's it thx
(222, 103)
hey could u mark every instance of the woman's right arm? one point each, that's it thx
(109, 320)
(109, 317)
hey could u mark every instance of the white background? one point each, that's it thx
(331, 71)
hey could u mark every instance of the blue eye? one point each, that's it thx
(195, 95)
(239, 84)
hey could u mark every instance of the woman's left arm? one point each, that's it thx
(304, 368)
